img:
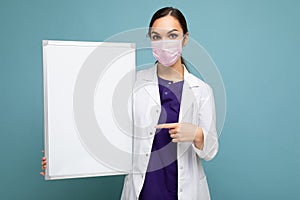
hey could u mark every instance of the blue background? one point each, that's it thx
(255, 45)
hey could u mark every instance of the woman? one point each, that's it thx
(174, 117)
(167, 165)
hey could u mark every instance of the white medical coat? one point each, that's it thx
(197, 106)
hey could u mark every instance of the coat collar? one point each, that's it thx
(187, 76)
(188, 96)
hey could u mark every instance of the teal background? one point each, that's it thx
(255, 45)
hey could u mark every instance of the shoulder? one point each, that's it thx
(145, 73)
(195, 81)
(200, 88)
(142, 77)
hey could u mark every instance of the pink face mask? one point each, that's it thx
(167, 52)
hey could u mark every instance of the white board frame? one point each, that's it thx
(103, 171)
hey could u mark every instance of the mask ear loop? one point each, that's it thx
(183, 38)
(182, 60)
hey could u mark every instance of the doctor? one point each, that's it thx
(174, 118)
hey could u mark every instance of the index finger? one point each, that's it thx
(166, 125)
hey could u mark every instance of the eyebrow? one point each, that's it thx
(168, 32)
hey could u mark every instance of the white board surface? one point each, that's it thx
(87, 108)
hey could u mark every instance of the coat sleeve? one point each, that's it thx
(207, 121)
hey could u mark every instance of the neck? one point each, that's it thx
(173, 73)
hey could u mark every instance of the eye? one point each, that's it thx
(155, 37)
(173, 36)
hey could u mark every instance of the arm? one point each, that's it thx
(206, 142)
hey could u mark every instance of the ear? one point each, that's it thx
(186, 38)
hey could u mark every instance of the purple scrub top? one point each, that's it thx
(162, 176)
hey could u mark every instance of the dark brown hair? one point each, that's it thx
(174, 12)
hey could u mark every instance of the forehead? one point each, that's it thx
(165, 24)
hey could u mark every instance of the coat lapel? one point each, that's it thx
(188, 96)
(151, 84)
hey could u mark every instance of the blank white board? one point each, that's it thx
(87, 108)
